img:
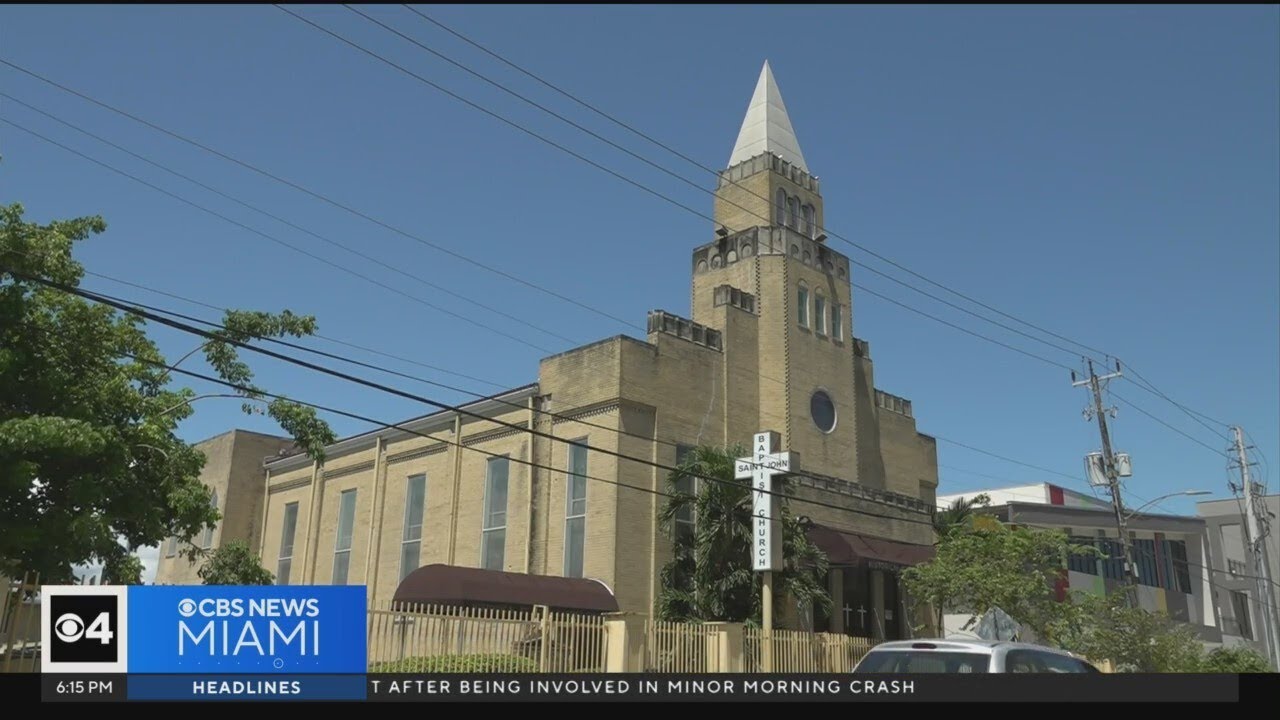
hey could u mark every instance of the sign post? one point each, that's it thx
(765, 463)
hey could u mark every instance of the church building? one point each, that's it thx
(767, 345)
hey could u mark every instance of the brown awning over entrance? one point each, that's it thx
(848, 549)
(463, 586)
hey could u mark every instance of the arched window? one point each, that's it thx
(208, 530)
(820, 314)
(780, 207)
(795, 251)
(810, 228)
(802, 303)
(731, 257)
(793, 212)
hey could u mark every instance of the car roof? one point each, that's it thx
(969, 645)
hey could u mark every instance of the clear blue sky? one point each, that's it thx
(1110, 173)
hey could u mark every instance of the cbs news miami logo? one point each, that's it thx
(168, 629)
(84, 628)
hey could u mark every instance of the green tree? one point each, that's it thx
(1135, 640)
(90, 467)
(1238, 659)
(234, 564)
(981, 568)
(958, 516)
(709, 577)
(122, 570)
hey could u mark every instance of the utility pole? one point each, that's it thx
(1256, 528)
(1110, 471)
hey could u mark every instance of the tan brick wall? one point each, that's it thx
(233, 469)
(354, 471)
(911, 461)
(749, 201)
(657, 393)
(871, 471)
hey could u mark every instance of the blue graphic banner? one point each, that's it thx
(289, 629)
(247, 687)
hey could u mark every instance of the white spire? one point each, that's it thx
(766, 126)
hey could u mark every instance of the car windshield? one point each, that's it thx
(923, 661)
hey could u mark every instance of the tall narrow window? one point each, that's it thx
(287, 530)
(575, 510)
(802, 305)
(685, 519)
(415, 498)
(1181, 569)
(837, 322)
(207, 540)
(793, 212)
(780, 207)
(346, 527)
(172, 549)
(808, 221)
(493, 540)
(1240, 608)
(820, 314)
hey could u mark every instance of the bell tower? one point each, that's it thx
(779, 296)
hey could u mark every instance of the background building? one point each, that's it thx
(233, 470)
(1171, 552)
(1234, 570)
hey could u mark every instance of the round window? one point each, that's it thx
(823, 411)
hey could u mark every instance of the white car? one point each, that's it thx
(969, 656)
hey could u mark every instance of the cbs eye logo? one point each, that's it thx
(83, 628)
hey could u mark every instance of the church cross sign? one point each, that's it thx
(765, 463)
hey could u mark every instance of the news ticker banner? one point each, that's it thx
(211, 643)
(633, 688)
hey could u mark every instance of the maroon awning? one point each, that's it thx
(463, 586)
(847, 549)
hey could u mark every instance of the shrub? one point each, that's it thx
(490, 663)
(1236, 659)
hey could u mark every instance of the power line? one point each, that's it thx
(456, 443)
(717, 173)
(1180, 432)
(277, 218)
(1188, 411)
(82, 155)
(614, 173)
(272, 238)
(318, 336)
(632, 129)
(318, 196)
(125, 307)
(1041, 358)
(1006, 459)
(439, 369)
(380, 223)
(520, 128)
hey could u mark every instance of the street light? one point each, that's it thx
(1165, 497)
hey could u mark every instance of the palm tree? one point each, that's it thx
(958, 514)
(709, 577)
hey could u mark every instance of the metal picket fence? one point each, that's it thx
(438, 638)
(20, 624)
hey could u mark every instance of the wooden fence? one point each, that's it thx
(20, 624)
(437, 638)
